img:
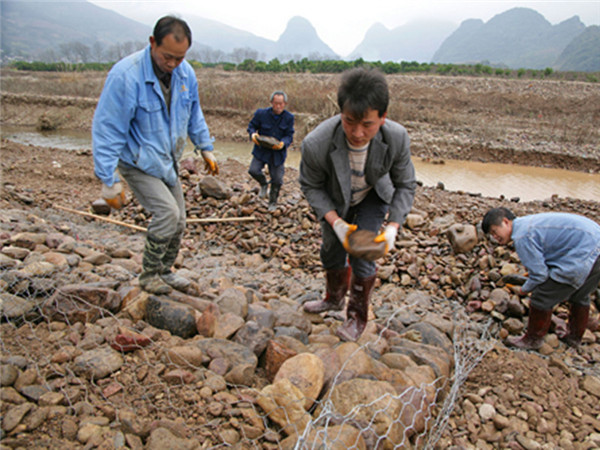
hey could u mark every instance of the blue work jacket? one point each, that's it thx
(561, 246)
(266, 123)
(133, 125)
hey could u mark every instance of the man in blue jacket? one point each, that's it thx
(277, 123)
(355, 172)
(561, 253)
(147, 109)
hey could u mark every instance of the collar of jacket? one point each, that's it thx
(150, 76)
(376, 155)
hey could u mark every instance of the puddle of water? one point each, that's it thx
(488, 179)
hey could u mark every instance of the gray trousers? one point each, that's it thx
(550, 293)
(367, 215)
(165, 203)
(276, 172)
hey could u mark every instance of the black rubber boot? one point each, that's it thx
(357, 314)
(264, 184)
(167, 275)
(537, 328)
(338, 281)
(152, 265)
(273, 195)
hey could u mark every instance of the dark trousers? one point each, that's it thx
(367, 215)
(276, 172)
(550, 293)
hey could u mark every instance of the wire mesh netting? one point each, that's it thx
(78, 369)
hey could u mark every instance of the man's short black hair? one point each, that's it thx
(494, 217)
(171, 24)
(362, 89)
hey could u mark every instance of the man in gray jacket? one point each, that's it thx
(355, 170)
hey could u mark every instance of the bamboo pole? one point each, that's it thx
(105, 219)
(136, 227)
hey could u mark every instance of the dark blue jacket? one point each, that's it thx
(281, 127)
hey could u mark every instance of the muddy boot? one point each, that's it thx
(154, 251)
(537, 328)
(264, 185)
(273, 195)
(358, 309)
(167, 275)
(338, 281)
(578, 321)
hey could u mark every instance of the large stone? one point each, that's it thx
(462, 237)
(13, 307)
(305, 371)
(354, 359)
(227, 325)
(276, 354)
(185, 356)
(210, 186)
(234, 301)
(28, 240)
(440, 361)
(337, 437)
(372, 402)
(174, 317)
(81, 303)
(253, 336)
(234, 353)
(161, 438)
(283, 404)
(430, 335)
(98, 363)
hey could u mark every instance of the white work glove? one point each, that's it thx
(210, 163)
(343, 229)
(113, 195)
(388, 236)
(254, 138)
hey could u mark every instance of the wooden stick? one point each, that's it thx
(105, 219)
(136, 227)
(221, 219)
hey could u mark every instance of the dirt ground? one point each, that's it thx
(476, 119)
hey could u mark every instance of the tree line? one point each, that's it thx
(306, 65)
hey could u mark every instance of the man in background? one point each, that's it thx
(147, 109)
(277, 123)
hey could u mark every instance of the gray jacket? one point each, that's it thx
(325, 169)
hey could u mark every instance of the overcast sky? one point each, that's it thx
(342, 24)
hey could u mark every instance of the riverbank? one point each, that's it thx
(437, 318)
(273, 260)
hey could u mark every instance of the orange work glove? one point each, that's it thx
(343, 229)
(388, 236)
(114, 195)
(210, 163)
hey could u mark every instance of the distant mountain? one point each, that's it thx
(300, 39)
(415, 41)
(583, 53)
(519, 37)
(28, 29)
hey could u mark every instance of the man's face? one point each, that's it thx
(501, 233)
(278, 104)
(170, 53)
(359, 132)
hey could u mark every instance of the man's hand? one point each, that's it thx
(388, 236)
(516, 290)
(343, 229)
(113, 195)
(210, 163)
(254, 138)
(278, 146)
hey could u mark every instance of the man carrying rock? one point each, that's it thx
(561, 253)
(355, 169)
(272, 131)
(147, 109)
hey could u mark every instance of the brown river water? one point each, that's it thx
(487, 179)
